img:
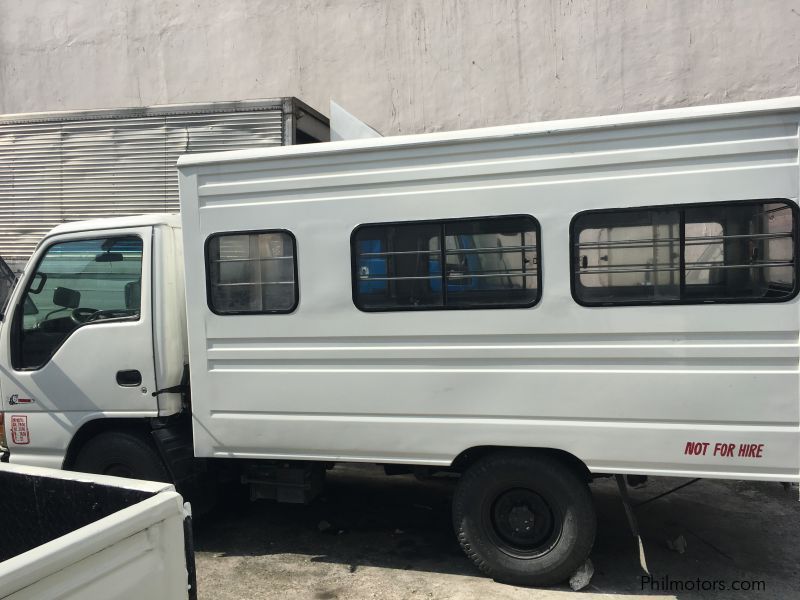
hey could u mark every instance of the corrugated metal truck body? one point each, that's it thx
(66, 166)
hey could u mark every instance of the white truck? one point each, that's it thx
(71, 536)
(528, 306)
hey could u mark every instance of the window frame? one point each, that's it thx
(354, 264)
(15, 335)
(206, 260)
(574, 275)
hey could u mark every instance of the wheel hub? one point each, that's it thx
(523, 522)
(521, 518)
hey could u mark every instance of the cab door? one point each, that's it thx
(77, 341)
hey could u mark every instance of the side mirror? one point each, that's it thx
(37, 283)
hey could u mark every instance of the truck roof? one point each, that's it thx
(755, 107)
(171, 219)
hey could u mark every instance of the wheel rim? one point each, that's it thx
(522, 523)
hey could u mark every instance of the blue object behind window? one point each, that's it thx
(472, 262)
(371, 266)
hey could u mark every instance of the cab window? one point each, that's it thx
(76, 283)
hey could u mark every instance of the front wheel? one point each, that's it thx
(122, 454)
(524, 518)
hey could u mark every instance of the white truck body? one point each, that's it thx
(527, 306)
(623, 388)
(136, 552)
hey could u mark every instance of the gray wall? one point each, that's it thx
(403, 66)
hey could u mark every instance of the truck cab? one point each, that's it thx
(92, 335)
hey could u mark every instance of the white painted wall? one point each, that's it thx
(401, 65)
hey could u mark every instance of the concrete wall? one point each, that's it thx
(403, 66)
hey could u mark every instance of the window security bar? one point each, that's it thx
(490, 250)
(448, 251)
(496, 274)
(645, 242)
(398, 253)
(743, 236)
(515, 273)
(701, 267)
(705, 264)
(252, 283)
(648, 265)
(690, 241)
(399, 278)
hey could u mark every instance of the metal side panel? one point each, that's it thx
(624, 389)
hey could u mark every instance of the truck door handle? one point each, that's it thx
(129, 378)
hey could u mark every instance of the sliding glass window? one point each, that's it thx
(490, 262)
(693, 253)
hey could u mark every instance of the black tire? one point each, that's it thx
(524, 518)
(123, 454)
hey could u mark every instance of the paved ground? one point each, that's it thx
(390, 537)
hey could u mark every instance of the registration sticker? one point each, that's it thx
(19, 430)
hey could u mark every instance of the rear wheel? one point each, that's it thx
(122, 454)
(524, 518)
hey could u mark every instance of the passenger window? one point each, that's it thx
(77, 283)
(722, 252)
(397, 266)
(489, 262)
(252, 273)
(630, 256)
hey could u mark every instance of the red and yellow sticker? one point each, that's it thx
(19, 430)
